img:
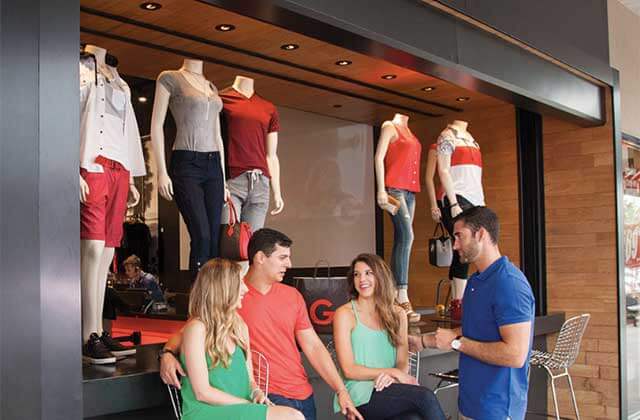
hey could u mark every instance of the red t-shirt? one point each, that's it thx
(248, 121)
(273, 319)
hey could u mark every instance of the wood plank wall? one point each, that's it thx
(581, 256)
(494, 129)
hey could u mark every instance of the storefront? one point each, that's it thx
(336, 72)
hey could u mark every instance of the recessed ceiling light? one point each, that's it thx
(150, 6)
(290, 47)
(428, 88)
(463, 99)
(337, 106)
(389, 76)
(343, 62)
(142, 99)
(225, 27)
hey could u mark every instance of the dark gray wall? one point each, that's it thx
(573, 31)
(40, 364)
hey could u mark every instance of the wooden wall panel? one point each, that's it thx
(494, 129)
(581, 256)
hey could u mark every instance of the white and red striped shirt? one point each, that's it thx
(466, 167)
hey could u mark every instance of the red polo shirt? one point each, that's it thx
(248, 121)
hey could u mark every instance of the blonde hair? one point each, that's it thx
(384, 293)
(213, 301)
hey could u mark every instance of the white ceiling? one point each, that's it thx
(633, 5)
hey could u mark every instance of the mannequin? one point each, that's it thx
(460, 172)
(110, 156)
(252, 125)
(197, 161)
(397, 165)
(429, 180)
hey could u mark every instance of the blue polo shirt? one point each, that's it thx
(498, 296)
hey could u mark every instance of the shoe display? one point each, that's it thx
(115, 347)
(412, 315)
(96, 353)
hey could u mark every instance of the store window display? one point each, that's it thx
(251, 125)
(110, 156)
(397, 164)
(459, 163)
(196, 171)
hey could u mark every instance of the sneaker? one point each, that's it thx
(96, 353)
(412, 315)
(115, 347)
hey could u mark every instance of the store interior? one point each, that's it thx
(332, 102)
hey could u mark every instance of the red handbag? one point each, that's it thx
(234, 237)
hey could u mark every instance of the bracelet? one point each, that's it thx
(340, 390)
(166, 350)
(453, 205)
(422, 341)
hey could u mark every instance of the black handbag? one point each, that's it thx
(440, 248)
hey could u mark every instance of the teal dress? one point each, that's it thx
(371, 348)
(233, 380)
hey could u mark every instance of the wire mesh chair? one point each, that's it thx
(176, 401)
(414, 364)
(260, 370)
(564, 354)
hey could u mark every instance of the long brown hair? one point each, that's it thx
(213, 301)
(384, 293)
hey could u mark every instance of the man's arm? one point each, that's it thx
(170, 367)
(510, 351)
(320, 359)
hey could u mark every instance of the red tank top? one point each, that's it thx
(402, 161)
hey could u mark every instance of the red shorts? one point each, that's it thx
(102, 215)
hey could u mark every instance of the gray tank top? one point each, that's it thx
(195, 113)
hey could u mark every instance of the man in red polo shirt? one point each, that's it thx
(277, 318)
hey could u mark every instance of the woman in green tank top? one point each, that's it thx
(215, 348)
(370, 335)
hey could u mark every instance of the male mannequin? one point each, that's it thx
(397, 165)
(460, 172)
(110, 156)
(252, 125)
(197, 160)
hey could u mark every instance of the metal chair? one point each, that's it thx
(447, 380)
(414, 364)
(260, 374)
(563, 356)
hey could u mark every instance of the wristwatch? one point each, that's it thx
(166, 350)
(456, 343)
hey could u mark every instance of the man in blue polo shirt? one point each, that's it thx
(497, 324)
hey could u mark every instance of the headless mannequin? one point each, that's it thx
(193, 72)
(388, 135)
(245, 86)
(444, 166)
(95, 258)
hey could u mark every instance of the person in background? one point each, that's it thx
(138, 279)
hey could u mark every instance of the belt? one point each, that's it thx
(198, 155)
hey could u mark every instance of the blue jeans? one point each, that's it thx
(306, 407)
(402, 401)
(402, 235)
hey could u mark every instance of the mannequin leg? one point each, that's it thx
(103, 271)
(214, 202)
(90, 257)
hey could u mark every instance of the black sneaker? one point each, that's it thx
(96, 353)
(115, 347)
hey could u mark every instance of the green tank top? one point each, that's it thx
(371, 348)
(233, 380)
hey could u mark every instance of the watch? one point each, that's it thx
(456, 343)
(166, 350)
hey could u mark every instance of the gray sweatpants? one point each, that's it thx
(250, 195)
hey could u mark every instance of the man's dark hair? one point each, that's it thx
(265, 240)
(481, 217)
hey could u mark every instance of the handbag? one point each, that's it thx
(440, 248)
(234, 237)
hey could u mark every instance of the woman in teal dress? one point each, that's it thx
(215, 353)
(370, 336)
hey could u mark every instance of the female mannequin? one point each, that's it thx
(397, 164)
(110, 156)
(197, 162)
(252, 125)
(460, 172)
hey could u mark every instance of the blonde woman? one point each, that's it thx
(216, 354)
(370, 335)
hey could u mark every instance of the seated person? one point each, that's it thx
(138, 279)
(370, 336)
(215, 352)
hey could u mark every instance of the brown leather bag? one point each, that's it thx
(234, 237)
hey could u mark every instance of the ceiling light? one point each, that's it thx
(142, 99)
(150, 6)
(225, 27)
(389, 76)
(343, 63)
(290, 47)
(428, 89)
(463, 99)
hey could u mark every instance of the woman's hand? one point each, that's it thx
(403, 377)
(258, 397)
(383, 380)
